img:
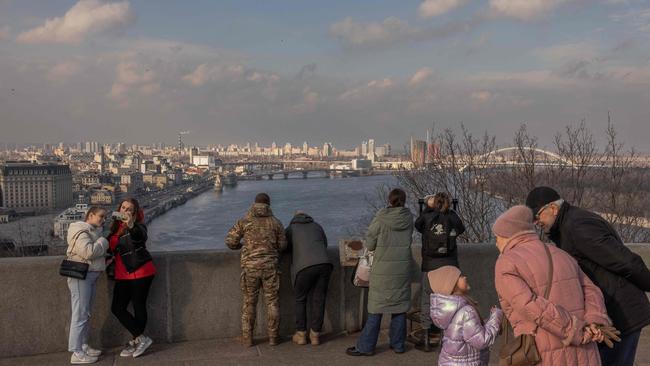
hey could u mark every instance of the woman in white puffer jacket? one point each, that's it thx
(86, 245)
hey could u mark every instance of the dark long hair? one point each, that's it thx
(115, 226)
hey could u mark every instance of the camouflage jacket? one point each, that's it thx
(263, 236)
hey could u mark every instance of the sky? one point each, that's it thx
(337, 71)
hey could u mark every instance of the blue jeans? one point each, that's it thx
(623, 352)
(82, 296)
(397, 333)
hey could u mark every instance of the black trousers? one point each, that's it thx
(311, 280)
(136, 292)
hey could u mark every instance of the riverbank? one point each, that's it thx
(160, 208)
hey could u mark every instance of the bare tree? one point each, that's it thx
(458, 168)
(623, 204)
(578, 148)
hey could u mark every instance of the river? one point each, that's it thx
(337, 204)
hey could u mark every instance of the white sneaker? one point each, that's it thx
(129, 349)
(143, 343)
(91, 351)
(80, 358)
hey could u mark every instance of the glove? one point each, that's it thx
(610, 333)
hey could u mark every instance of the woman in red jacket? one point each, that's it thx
(134, 272)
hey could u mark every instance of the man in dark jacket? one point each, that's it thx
(439, 226)
(310, 273)
(620, 274)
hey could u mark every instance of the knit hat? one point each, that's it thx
(443, 280)
(517, 219)
(541, 196)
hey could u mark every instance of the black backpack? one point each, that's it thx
(439, 238)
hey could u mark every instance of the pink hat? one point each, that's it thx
(443, 280)
(517, 219)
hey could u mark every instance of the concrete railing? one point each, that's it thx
(195, 295)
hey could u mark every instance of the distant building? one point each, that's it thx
(361, 164)
(7, 216)
(327, 149)
(203, 161)
(28, 186)
(131, 182)
(102, 197)
(418, 152)
(64, 219)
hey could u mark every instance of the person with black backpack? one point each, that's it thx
(440, 226)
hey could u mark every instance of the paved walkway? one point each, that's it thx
(228, 352)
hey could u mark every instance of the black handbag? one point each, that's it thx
(74, 269)
(134, 254)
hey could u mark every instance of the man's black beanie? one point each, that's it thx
(540, 196)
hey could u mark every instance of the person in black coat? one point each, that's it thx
(439, 226)
(620, 274)
(310, 273)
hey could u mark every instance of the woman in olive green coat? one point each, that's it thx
(389, 235)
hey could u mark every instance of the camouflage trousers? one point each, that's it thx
(251, 281)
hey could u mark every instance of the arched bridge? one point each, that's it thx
(484, 160)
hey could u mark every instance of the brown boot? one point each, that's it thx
(300, 337)
(314, 337)
(247, 340)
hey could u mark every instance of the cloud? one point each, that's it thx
(420, 76)
(5, 33)
(85, 19)
(352, 34)
(638, 19)
(132, 77)
(433, 8)
(482, 96)
(206, 73)
(310, 100)
(63, 71)
(567, 52)
(370, 89)
(525, 9)
(307, 71)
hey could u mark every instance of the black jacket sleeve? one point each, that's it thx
(420, 223)
(139, 233)
(457, 223)
(595, 240)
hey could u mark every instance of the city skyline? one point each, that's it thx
(139, 72)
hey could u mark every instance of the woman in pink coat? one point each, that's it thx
(563, 323)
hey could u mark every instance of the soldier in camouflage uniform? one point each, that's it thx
(264, 238)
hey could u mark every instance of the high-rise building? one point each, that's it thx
(370, 155)
(418, 152)
(327, 149)
(28, 186)
(305, 148)
(364, 148)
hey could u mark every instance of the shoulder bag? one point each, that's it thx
(362, 270)
(74, 269)
(522, 350)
